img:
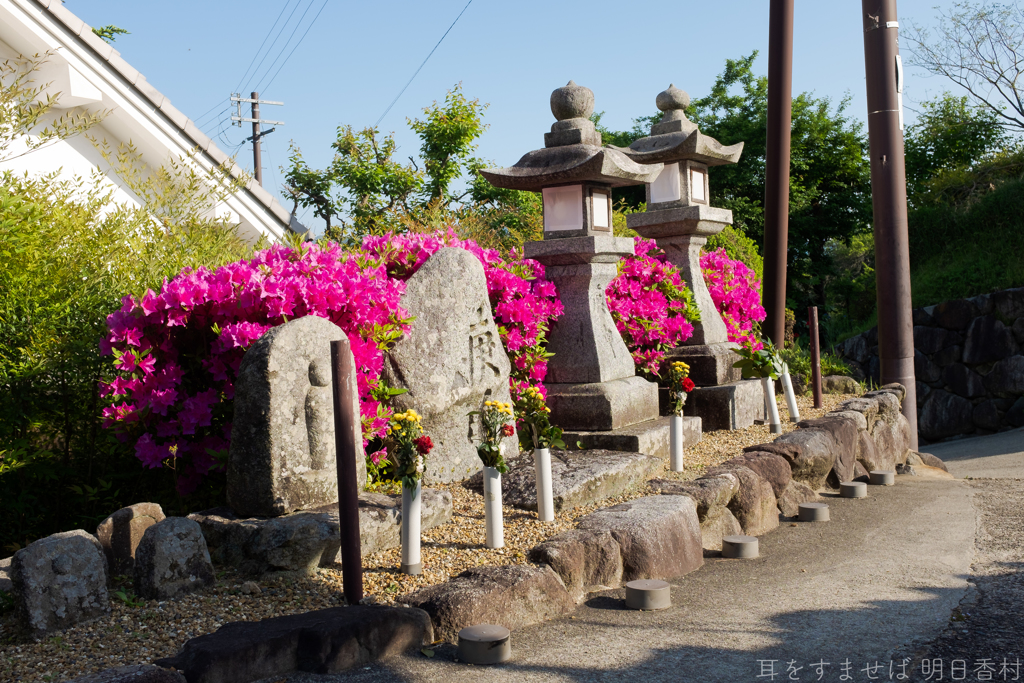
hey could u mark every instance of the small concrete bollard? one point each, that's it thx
(813, 512)
(882, 477)
(484, 644)
(853, 489)
(649, 594)
(740, 547)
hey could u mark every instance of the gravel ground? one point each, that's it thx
(985, 636)
(142, 631)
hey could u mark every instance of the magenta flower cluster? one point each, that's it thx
(178, 351)
(651, 305)
(736, 291)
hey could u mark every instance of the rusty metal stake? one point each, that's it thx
(812, 323)
(347, 438)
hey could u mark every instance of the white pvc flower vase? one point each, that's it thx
(411, 515)
(676, 443)
(769, 401)
(545, 490)
(492, 508)
(787, 388)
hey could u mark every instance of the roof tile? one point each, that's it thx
(149, 92)
(176, 117)
(73, 23)
(125, 69)
(100, 46)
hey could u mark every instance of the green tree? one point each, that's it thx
(950, 133)
(368, 192)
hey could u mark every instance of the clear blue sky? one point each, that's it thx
(357, 56)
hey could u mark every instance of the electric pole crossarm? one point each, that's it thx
(246, 120)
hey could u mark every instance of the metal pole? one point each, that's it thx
(812, 323)
(884, 71)
(776, 190)
(257, 162)
(347, 435)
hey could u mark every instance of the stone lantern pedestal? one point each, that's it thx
(680, 219)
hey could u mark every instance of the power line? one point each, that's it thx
(285, 46)
(281, 14)
(311, 24)
(423, 64)
(272, 44)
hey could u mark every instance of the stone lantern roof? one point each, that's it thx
(676, 138)
(572, 152)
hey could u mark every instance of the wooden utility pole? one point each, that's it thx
(257, 133)
(776, 191)
(884, 70)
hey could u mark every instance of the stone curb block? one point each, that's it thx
(326, 641)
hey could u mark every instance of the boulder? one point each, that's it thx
(586, 561)
(923, 318)
(922, 393)
(1009, 303)
(120, 533)
(139, 673)
(302, 541)
(811, 454)
(512, 596)
(844, 431)
(865, 406)
(928, 340)
(1015, 415)
(172, 559)
(945, 414)
(963, 381)
(945, 357)
(578, 478)
(988, 340)
(856, 348)
(868, 454)
(924, 369)
(326, 641)
(771, 467)
(896, 389)
(59, 581)
(450, 362)
(858, 418)
(889, 446)
(711, 494)
(987, 415)
(754, 505)
(282, 436)
(888, 404)
(1006, 377)
(839, 384)
(984, 303)
(1018, 330)
(860, 473)
(796, 492)
(932, 461)
(716, 527)
(659, 536)
(956, 314)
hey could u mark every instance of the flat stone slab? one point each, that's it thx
(729, 406)
(511, 596)
(326, 641)
(650, 438)
(578, 477)
(303, 541)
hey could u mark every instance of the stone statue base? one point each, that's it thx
(603, 406)
(711, 365)
(730, 406)
(650, 438)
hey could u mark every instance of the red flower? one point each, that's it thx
(687, 384)
(423, 444)
(507, 430)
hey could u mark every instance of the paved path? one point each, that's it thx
(890, 577)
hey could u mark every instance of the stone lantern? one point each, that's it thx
(680, 218)
(591, 379)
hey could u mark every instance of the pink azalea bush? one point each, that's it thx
(736, 291)
(178, 351)
(651, 305)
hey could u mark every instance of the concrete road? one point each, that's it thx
(890, 577)
(999, 456)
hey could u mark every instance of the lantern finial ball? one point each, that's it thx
(572, 101)
(672, 98)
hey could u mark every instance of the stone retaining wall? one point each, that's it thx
(969, 363)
